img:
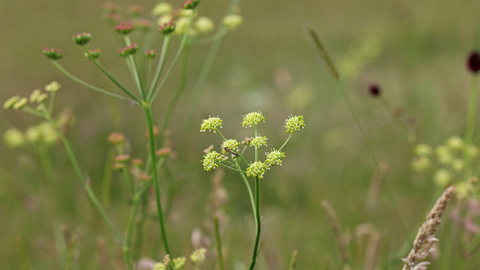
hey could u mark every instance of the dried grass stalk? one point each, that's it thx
(425, 239)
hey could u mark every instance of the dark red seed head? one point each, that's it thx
(374, 90)
(473, 62)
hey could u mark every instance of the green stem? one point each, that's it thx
(81, 177)
(126, 177)
(136, 74)
(175, 59)
(228, 167)
(285, 143)
(32, 111)
(161, 63)
(105, 92)
(115, 81)
(153, 157)
(223, 137)
(221, 264)
(202, 81)
(181, 88)
(293, 260)
(46, 164)
(472, 101)
(51, 101)
(252, 200)
(374, 157)
(258, 223)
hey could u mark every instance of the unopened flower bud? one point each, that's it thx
(116, 138)
(145, 177)
(164, 151)
(122, 158)
(111, 7)
(118, 166)
(34, 95)
(82, 38)
(151, 54)
(52, 87)
(190, 4)
(10, 102)
(137, 162)
(113, 18)
(52, 53)
(125, 28)
(93, 54)
(129, 50)
(167, 28)
(473, 62)
(232, 21)
(20, 103)
(135, 10)
(42, 97)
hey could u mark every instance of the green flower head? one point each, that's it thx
(229, 145)
(257, 169)
(274, 157)
(210, 159)
(252, 119)
(294, 123)
(259, 141)
(211, 123)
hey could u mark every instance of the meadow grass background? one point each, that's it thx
(267, 64)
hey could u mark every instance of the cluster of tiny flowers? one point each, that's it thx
(167, 27)
(124, 28)
(129, 50)
(52, 87)
(229, 146)
(232, 21)
(274, 157)
(259, 141)
(43, 133)
(294, 123)
(161, 9)
(210, 160)
(82, 38)
(151, 54)
(449, 158)
(257, 169)
(18, 103)
(52, 53)
(211, 124)
(252, 119)
(198, 255)
(93, 54)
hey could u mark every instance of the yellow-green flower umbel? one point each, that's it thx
(210, 159)
(252, 119)
(294, 123)
(257, 169)
(211, 123)
(230, 145)
(274, 157)
(259, 141)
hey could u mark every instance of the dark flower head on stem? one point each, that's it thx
(473, 62)
(374, 90)
(82, 38)
(52, 53)
(190, 4)
(167, 28)
(125, 28)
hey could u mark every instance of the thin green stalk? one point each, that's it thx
(472, 104)
(136, 74)
(221, 265)
(46, 163)
(115, 81)
(243, 159)
(293, 260)
(181, 88)
(258, 223)
(126, 177)
(81, 177)
(174, 61)
(105, 92)
(153, 157)
(51, 101)
(374, 157)
(228, 167)
(161, 63)
(32, 111)
(252, 200)
(285, 143)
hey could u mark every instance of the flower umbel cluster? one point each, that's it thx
(257, 167)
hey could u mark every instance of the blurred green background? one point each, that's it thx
(415, 50)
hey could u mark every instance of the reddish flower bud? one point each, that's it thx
(82, 38)
(52, 53)
(129, 50)
(374, 90)
(112, 7)
(167, 28)
(135, 10)
(93, 54)
(473, 62)
(151, 54)
(125, 28)
(190, 4)
(113, 18)
(143, 24)
(163, 152)
(122, 158)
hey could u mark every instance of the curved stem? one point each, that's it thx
(258, 223)
(285, 143)
(81, 177)
(175, 59)
(252, 200)
(135, 73)
(105, 92)
(219, 243)
(153, 157)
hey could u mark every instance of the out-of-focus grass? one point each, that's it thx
(268, 64)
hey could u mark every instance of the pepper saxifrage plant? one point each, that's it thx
(171, 22)
(231, 157)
